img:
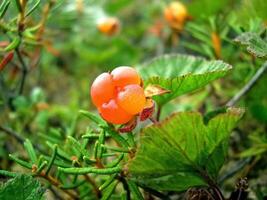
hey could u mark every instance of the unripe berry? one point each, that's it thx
(113, 113)
(124, 75)
(102, 89)
(132, 99)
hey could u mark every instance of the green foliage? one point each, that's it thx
(22, 187)
(207, 7)
(254, 43)
(259, 146)
(55, 50)
(181, 74)
(181, 152)
(251, 9)
(3, 8)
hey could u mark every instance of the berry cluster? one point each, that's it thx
(118, 95)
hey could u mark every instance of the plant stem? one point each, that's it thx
(248, 86)
(213, 185)
(24, 71)
(217, 192)
(125, 187)
(13, 134)
(55, 193)
(18, 137)
(158, 113)
(95, 187)
(153, 120)
(155, 193)
(56, 183)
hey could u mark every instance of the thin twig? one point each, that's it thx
(158, 113)
(217, 192)
(19, 138)
(95, 187)
(12, 133)
(125, 187)
(56, 183)
(24, 71)
(155, 193)
(213, 185)
(248, 86)
(153, 120)
(55, 193)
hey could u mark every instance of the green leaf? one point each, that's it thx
(188, 152)
(253, 43)
(13, 45)
(77, 145)
(109, 191)
(93, 117)
(181, 74)
(3, 8)
(134, 190)
(22, 187)
(35, 6)
(254, 151)
(30, 150)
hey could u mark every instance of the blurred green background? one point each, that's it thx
(74, 52)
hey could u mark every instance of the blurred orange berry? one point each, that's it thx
(156, 29)
(42, 106)
(175, 14)
(109, 26)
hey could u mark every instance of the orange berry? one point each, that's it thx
(131, 99)
(113, 113)
(175, 14)
(109, 26)
(124, 75)
(102, 89)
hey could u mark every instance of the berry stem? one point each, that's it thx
(158, 113)
(153, 120)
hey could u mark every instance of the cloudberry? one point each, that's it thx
(175, 14)
(124, 76)
(132, 99)
(113, 113)
(102, 89)
(109, 26)
(118, 95)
